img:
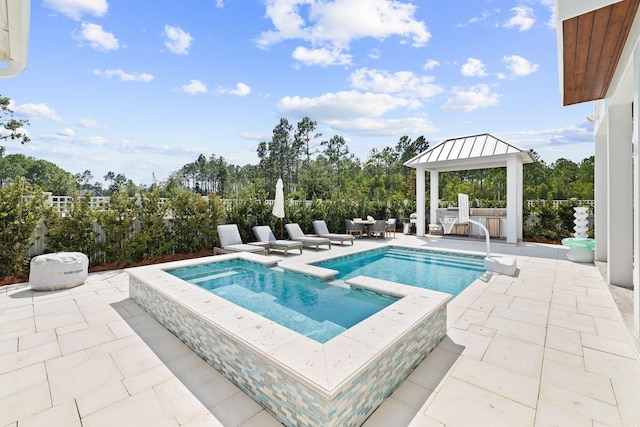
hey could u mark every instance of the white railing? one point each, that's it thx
(555, 203)
(64, 204)
(531, 203)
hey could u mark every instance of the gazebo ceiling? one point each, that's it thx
(592, 44)
(481, 151)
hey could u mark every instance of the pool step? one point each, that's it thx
(442, 263)
(267, 306)
(213, 276)
(438, 255)
(438, 260)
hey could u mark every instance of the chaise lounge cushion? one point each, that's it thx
(321, 230)
(231, 241)
(264, 234)
(295, 233)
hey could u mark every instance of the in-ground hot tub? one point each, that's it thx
(299, 380)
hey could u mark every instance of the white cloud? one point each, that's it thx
(485, 14)
(124, 76)
(240, 90)
(333, 25)
(194, 87)
(358, 113)
(519, 66)
(474, 68)
(256, 136)
(550, 5)
(96, 37)
(374, 54)
(574, 141)
(523, 19)
(66, 132)
(572, 134)
(403, 83)
(431, 64)
(322, 56)
(377, 127)
(178, 41)
(344, 105)
(23, 131)
(68, 135)
(88, 123)
(74, 9)
(37, 111)
(219, 4)
(478, 96)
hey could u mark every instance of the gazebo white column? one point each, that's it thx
(434, 184)
(620, 206)
(420, 201)
(514, 200)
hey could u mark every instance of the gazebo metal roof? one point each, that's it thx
(469, 152)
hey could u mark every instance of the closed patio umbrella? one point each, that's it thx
(278, 204)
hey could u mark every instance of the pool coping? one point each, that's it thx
(326, 369)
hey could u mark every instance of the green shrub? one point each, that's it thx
(152, 239)
(72, 232)
(21, 209)
(189, 212)
(117, 228)
(551, 223)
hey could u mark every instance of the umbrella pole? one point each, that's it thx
(281, 233)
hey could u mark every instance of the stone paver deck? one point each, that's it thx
(547, 347)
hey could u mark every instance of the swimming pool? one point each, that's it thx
(302, 303)
(299, 380)
(436, 270)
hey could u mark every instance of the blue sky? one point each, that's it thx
(142, 88)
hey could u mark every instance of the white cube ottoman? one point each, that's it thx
(60, 270)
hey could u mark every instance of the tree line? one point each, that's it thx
(311, 166)
(138, 224)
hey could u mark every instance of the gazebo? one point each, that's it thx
(482, 151)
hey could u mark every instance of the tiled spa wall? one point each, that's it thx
(289, 396)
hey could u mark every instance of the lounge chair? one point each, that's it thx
(231, 241)
(264, 234)
(321, 230)
(295, 233)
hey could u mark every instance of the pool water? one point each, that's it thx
(436, 270)
(301, 303)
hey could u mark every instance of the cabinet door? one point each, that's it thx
(493, 225)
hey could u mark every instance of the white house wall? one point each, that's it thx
(617, 173)
(636, 190)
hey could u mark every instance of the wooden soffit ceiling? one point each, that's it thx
(592, 45)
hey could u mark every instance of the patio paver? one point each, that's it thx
(545, 347)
